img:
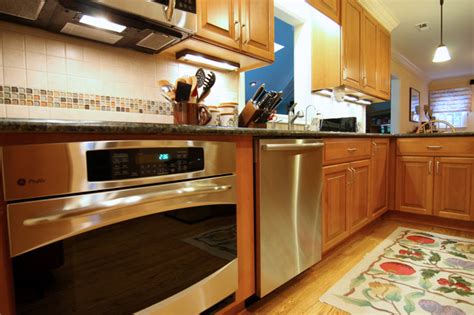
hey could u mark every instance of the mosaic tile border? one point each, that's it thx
(14, 95)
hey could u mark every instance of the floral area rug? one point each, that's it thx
(410, 272)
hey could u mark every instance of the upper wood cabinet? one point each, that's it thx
(379, 180)
(219, 20)
(243, 25)
(351, 42)
(384, 60)
(330, 8)
(369, 56)
(257, 19)
(356, 56)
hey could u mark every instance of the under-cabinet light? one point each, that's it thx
(325, 92)
(364, 102)
(192, 56)
(350, 98)
(103, 23)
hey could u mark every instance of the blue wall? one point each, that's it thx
(280, 75)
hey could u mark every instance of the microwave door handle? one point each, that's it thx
(169, 9)
(122, 202)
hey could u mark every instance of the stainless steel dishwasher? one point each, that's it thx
(288, 209)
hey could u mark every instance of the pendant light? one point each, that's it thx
(441, 53)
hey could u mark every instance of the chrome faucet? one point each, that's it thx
(306, 126)
(292, 116)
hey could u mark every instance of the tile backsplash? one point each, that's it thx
(58, 75)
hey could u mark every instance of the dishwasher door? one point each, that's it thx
(288, 209)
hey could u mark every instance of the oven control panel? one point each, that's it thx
(115, 164)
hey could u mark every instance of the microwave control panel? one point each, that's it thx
(184, 5)
(115, 164)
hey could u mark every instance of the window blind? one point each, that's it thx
(451, 100)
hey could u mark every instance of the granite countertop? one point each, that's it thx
(11, 125)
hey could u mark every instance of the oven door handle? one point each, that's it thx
(121, 202)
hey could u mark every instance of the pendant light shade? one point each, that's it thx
(441, 53)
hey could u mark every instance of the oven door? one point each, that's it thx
(161, 249)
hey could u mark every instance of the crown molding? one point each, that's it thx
(401, 59)
(382, 13)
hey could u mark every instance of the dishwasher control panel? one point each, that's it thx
(107, 165)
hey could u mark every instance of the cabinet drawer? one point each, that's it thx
(345, 150)
(443, 146)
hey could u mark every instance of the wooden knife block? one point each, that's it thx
(248, 115)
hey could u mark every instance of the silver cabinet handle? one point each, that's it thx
(434, 147)
(246, 40)
(351, 179)
(430, 167)
(113, 204)
(169, 9)
(237, 31)
(437, 167)
(292, 147)
(351, 149)
(375, 147)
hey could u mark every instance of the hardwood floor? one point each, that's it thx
(301, 295)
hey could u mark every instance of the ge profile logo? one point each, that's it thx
(21, 182)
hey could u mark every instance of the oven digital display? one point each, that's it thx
(105, 165)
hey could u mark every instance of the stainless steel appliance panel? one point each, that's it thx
(63, 166)
(33, 224)
(289, 184)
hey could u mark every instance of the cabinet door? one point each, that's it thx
(335, 194)
(378, 195)
(454, 188)
(351, 33)
(219, 21)
(358, 208)
(369, 53)
(383, 62)
(414, 184)
(258, 28)
(330, 8)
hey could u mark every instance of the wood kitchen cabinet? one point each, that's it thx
(358, 190)
(257, 20)
(454, 188)
(414, 184)
(335, 203)
(330, 8)
(352, 14)
(379, 178)
(435, 176)
(359, 58)
(369, 56)
(243, 25)
(219, 20)
(384, 59)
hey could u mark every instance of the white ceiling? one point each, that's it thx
(419, 47)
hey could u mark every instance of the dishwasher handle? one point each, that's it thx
(292, 147)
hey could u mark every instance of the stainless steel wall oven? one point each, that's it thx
(121, 227)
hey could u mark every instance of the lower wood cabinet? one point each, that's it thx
(345, 200)
(454, 188)
(379, 180)
(414, 191)
(440, 186)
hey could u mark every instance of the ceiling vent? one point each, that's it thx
(422, 27)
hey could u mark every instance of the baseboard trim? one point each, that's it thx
(467, 226)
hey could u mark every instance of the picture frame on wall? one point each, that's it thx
(414, 105)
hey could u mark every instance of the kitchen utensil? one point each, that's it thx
(208, 84)
(186, 113)
(200, 76)
(259, 91)
(167, 90)
(183, 91)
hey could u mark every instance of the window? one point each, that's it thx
(452, 105)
